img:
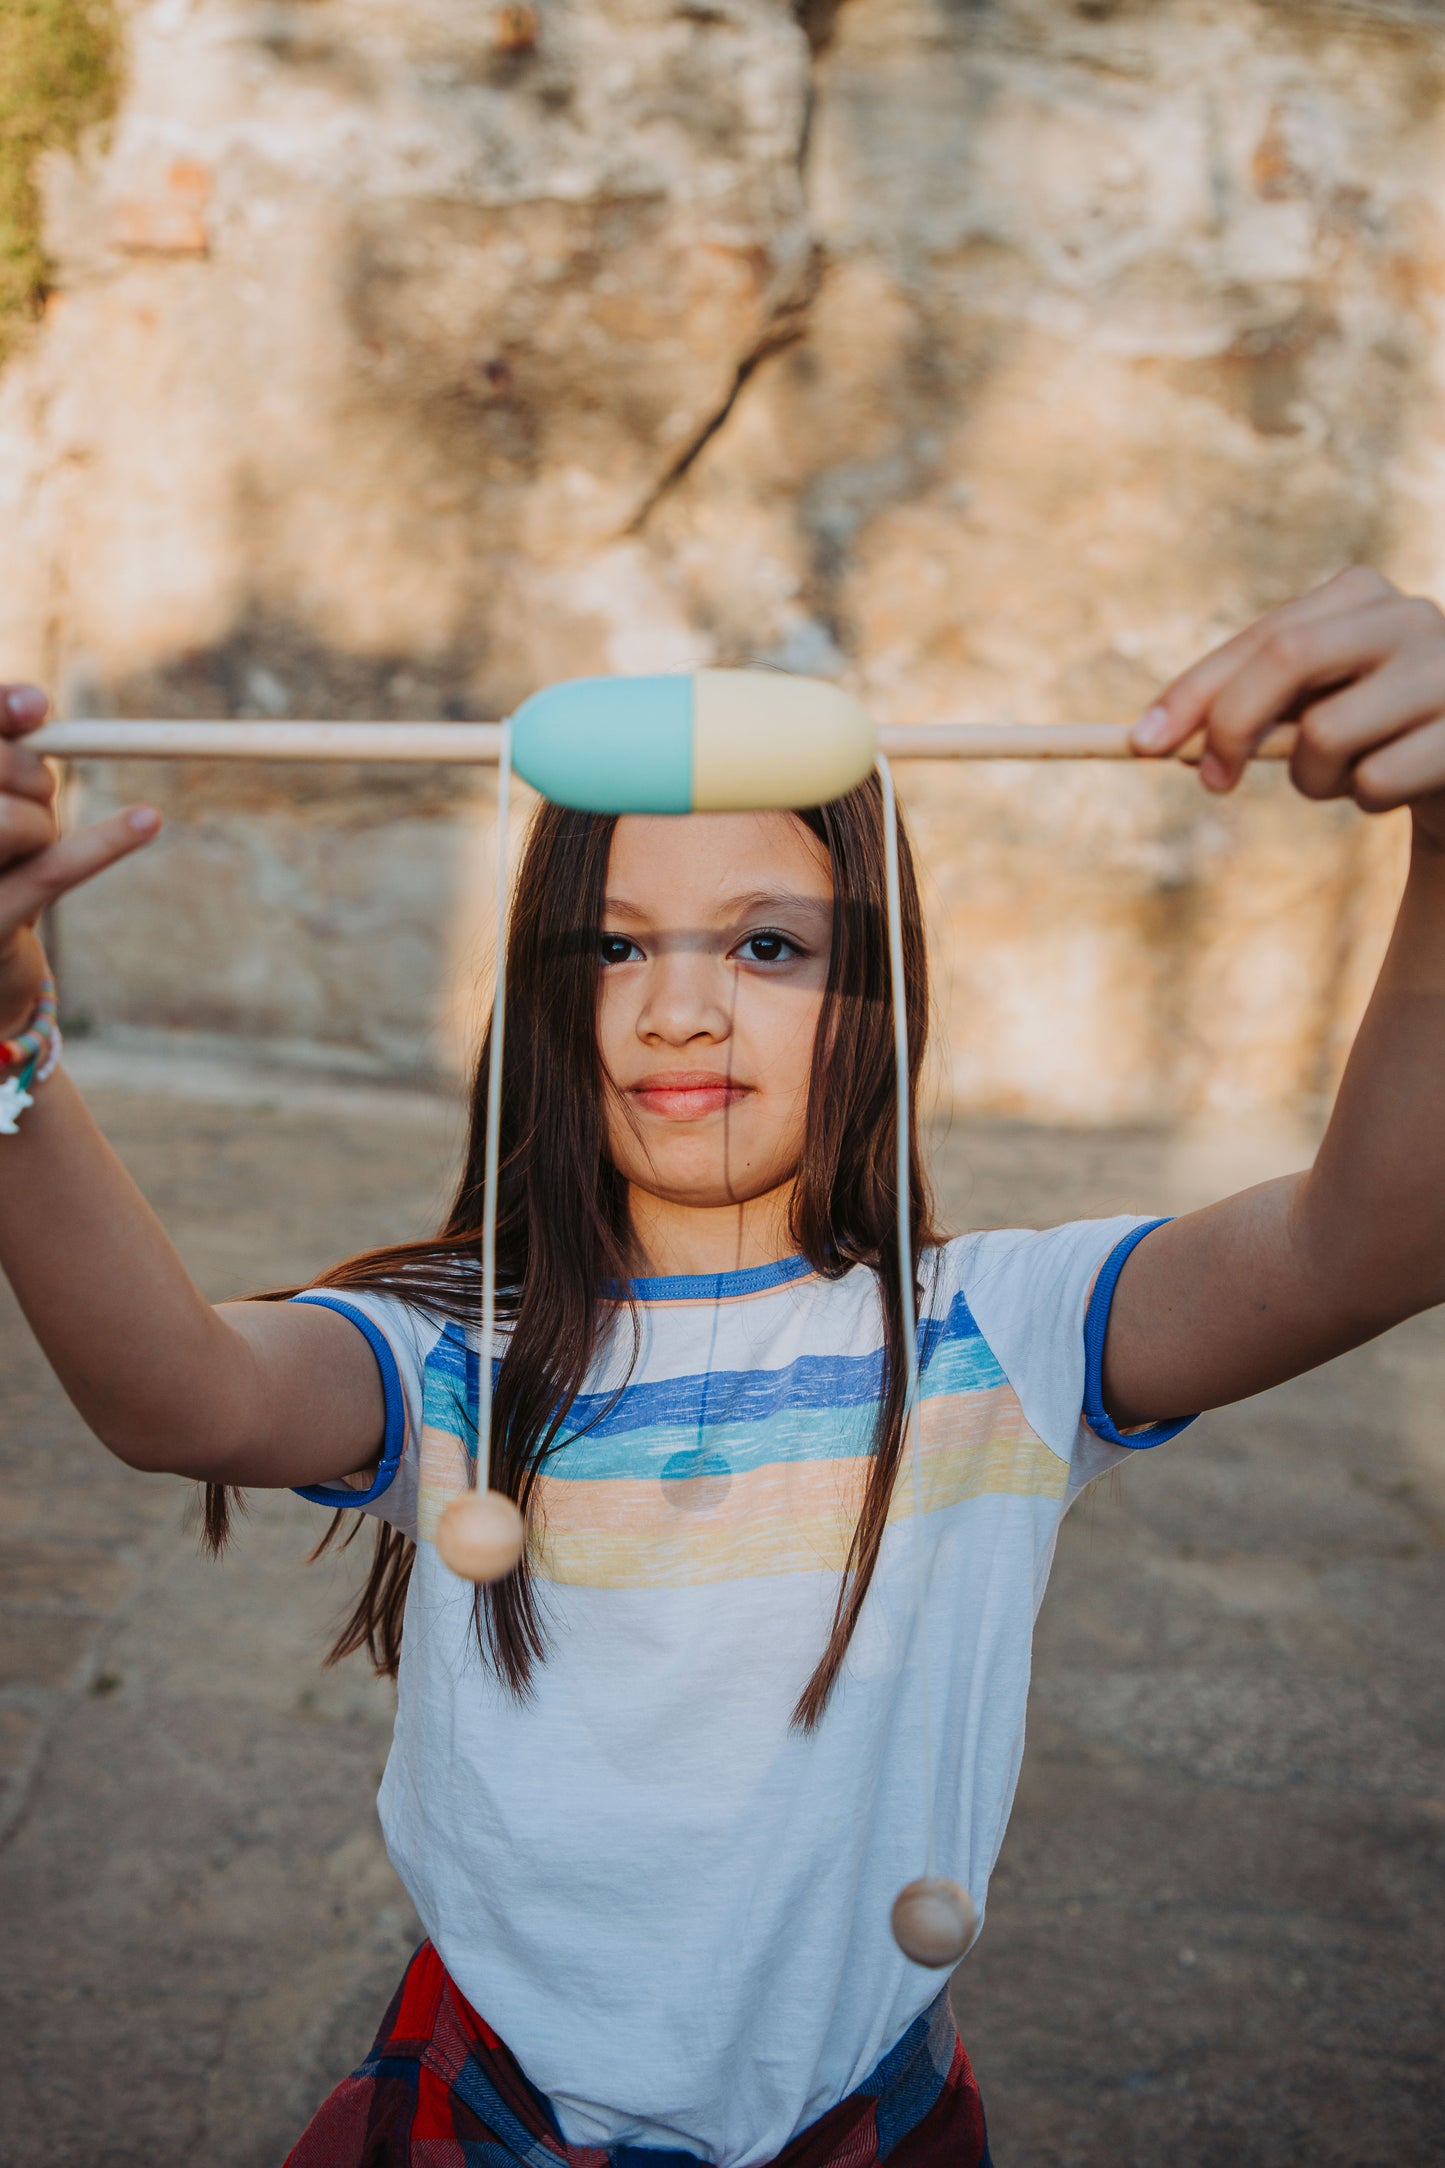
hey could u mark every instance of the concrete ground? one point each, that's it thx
(1215, 1933)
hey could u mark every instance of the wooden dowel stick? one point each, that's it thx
(1039, 741)
(473, 744)
(423, 743)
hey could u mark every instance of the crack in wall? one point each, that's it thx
(817, 19)
(785, 333)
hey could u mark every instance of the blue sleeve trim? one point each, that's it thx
(1096, 1326)
(345, 1494)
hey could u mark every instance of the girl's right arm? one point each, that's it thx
(255, 1393)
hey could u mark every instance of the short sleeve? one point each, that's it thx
(1041, 1301)
(398, 1337)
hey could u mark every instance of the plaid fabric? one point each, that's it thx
(440, 2090)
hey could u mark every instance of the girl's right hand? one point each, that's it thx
(35, 865)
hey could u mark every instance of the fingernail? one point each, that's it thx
(1213, 774)
(25, 703)
(1152, 730)
(144, 819)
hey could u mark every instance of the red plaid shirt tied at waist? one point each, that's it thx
(440, 2088)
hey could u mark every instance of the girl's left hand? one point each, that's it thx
(1358, 665)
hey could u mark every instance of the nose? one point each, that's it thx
(688, 997)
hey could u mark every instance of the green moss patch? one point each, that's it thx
(59, 72)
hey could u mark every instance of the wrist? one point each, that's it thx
(17, 1021)
(24, 976)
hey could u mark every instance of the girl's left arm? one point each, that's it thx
(1229, 1300)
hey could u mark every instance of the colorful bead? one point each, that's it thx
(33, 1054)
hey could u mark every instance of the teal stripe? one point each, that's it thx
(961, 1366)
(794, 1438)
(817, 1408)
(790, 1440)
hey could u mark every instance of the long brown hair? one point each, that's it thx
(562, 1231)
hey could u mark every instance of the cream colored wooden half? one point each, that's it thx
(761, 738)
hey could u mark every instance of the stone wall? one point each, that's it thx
(404, 354)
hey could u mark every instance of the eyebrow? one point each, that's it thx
(780, 904)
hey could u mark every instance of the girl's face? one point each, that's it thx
(714, 963)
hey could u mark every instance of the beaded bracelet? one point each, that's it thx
(33, 1054)
(39, 1033)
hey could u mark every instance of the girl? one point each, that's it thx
(654, 1794)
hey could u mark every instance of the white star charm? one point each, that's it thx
(14, 1099)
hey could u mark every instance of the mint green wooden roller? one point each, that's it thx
(716, 741)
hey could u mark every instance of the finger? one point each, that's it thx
(1183, 706)
(22, 708)
(1409, 767)
(25, 828)
(1300, 657)
(24, 774)
(1336, 732)
(27, 888)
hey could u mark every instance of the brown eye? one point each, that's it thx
(615, 948)
(768, 948)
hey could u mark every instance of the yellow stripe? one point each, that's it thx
(789, 1517)
(441, 1476)
(786, 1517)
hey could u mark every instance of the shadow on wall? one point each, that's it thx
(335, 914)
(1179, 960)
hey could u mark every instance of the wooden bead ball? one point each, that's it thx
(934, 1921)
(481, 1536)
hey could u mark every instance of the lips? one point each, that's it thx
(686, 1095)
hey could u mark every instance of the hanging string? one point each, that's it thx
(482, 1470)
(906, 1285)
(716, 1320)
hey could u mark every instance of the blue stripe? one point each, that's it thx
(1096, 1327)
(342, 1494)
(908, 2081)
(819, 1407)
(450, 1382)
(758, 1396)
(513, 2140)
(715, 1286)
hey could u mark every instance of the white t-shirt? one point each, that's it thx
(671, 1904)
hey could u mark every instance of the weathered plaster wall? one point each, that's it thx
(993, 357)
